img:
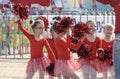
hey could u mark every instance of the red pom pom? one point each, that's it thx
(108, 55)
(84, 50)
(79, 30)
(63, 24)
(21, 10)
(105, 55)
(74, 41)
(101, 54)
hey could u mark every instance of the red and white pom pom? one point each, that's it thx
(63, 24)
(21, 10)
(84, 50)
(79, 30)
(101, 54)
(108, 55)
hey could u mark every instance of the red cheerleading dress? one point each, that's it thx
(65, 64)
(103, 66)
(37, 59)
(92, 60)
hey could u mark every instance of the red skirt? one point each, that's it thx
(87, 62)
(37, 64)
(103, 67)
(65, 67)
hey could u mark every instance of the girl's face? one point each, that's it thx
(108, 31)
(92, 27)
(39, 29)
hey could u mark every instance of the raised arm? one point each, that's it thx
(27, 34)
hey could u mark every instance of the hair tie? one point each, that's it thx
(32, 22)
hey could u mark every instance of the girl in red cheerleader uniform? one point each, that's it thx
(65, 66)
(51, 40)
(107, 42)
(89, 64)
(38, 61)
(53, 36)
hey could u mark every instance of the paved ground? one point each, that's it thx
(15, 69)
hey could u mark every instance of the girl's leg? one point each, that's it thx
(41, 74)
(29, 75)
(105, 75)
(85, 71)
(112, 73)
(74, 76)
(51, 77)
(85, 75)
(59, 77)
(66, 77)
(93, 73)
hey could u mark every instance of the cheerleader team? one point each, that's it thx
(94, 53)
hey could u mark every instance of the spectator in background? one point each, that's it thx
(8, 42)
(56, 5)
(8, 39)
(33, 11)
(0, 45)
(80, 3)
